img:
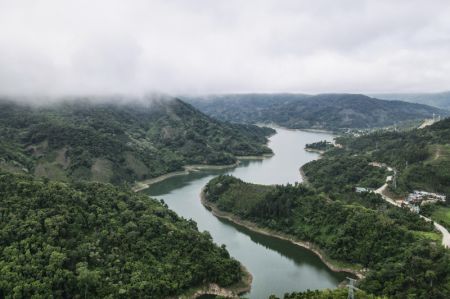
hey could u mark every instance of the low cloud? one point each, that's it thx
(58, 47)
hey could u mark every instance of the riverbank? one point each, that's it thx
(312, 150)
(234, 291)
(142, 185)
(303, 176)
(331, 264)
(145, 184)
(276, 126)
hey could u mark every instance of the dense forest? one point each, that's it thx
(118, 139)
(340, 172)
(323, 111)
(93, 240)
(401, 250)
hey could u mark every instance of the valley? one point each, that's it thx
(238, 186)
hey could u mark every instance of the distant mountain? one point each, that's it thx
(118, 140)
(440, 99)
(324, 111)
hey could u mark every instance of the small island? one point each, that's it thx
(320, 146)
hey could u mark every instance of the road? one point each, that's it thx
(440, 228)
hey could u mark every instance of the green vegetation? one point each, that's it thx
(438, 212)
(93, 240)
(320, 146)
(93, 139)
(324, 111)
(340, 172)
(401, 250)
(421, 156)
(360, 229)
(438, 99)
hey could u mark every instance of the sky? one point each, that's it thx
(59, 47)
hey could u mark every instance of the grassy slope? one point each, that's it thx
(122, 142)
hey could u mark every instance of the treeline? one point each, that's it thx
(91, 240)
(338, 171)
(374, 238)
(323, 111)
(322, 145)
(109, 141)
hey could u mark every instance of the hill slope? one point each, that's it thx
(421, 156)
(132, 139)
(324, 111)
(439, 99)
(93, 240)
(390, 243)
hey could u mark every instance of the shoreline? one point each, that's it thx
(145, 184)
(268, 232)
(312, 150)
(234, 291)
(303, 176)
(275, 126)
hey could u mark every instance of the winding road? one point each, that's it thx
(381, 191)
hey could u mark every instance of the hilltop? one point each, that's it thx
(438, 99)
(118, 140)
(323, 111)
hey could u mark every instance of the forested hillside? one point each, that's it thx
(398, 248)
(438, 99)
(421, 156)
(93, 240)
(323, 111)
(118, 139)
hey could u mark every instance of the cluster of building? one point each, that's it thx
(417, 198)
(423, 197)
(362, 189)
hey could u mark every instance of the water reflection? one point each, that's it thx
(277, 265)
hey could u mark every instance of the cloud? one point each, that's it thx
(199, 46)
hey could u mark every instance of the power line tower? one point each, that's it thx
(394, 180)
(351, 288)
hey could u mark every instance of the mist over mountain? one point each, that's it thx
(117, 139)
(438, 99)
(323, 111)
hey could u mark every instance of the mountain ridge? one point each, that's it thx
(118, 142)
(324, 111)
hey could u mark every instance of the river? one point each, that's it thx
(277, 266)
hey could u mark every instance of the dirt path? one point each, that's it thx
(438, 153)
(426, 123)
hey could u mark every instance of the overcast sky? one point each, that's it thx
(214, 46)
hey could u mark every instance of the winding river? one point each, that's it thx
(277, 266)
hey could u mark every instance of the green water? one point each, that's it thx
(277, 266)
